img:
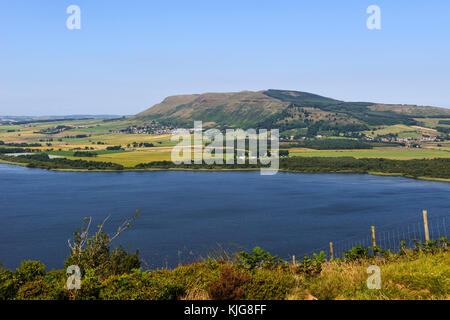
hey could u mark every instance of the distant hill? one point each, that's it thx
(283, 109)
(25, 119)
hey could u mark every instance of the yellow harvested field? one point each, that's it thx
(423, 128)
(398, 128)
(124, 139)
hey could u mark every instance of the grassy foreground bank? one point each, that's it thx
(413, 274)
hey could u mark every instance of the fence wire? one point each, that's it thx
(390, 238)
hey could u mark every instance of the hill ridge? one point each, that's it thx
(286, 109)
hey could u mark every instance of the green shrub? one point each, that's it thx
(171, 291)
(29, 271)
(196, 275)
(356, 253)
(90, 287)
(56, 279)
(142, 286)
(313, 266)
(269, 284)
(95, 252)
(431, 246)
(123, 287)
(7, 285)
(34, 290)
(258, 258)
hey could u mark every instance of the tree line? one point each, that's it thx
(20, 145)
(43, 161)
(432, 168)
(332, 144)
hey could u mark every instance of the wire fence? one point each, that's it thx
(390, 238)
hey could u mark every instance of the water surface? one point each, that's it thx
(185, 215)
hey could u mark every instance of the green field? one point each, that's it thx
(71, 153)
(98, 138)
(403, 131)
(388, 153)
(433, 122)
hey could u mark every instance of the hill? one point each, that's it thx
(36, 119)
(235, 109)
(285, 110)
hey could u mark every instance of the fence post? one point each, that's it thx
(374, 240)
(294, 263)
(425, 225)
(331, 251)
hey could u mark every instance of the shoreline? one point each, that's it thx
(373, 173)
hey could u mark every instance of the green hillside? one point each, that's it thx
(241, 109)
(285, 110)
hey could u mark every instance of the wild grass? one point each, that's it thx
(421, 276)
(425, 276)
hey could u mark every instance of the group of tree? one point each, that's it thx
(114, 148)
(20, 145)
(432, 168)
(15, 150)
(55, 130)
(43, 161)
(332, 144)
(141, 145)
(84, 154)
(443, 129)
(77, 136)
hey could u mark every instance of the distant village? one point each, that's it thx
(406, 141)
(156, 128)
(151, 128)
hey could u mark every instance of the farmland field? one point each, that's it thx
(403, 130)
(388, 153)
(100, 136)
(132, 158)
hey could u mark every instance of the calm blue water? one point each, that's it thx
(185, 215)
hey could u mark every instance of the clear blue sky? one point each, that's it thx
(131, 54)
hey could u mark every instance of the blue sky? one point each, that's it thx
(131, 54)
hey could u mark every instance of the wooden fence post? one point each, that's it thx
(294, 263)
(374, 240)
(425, 225)
(331, 251)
